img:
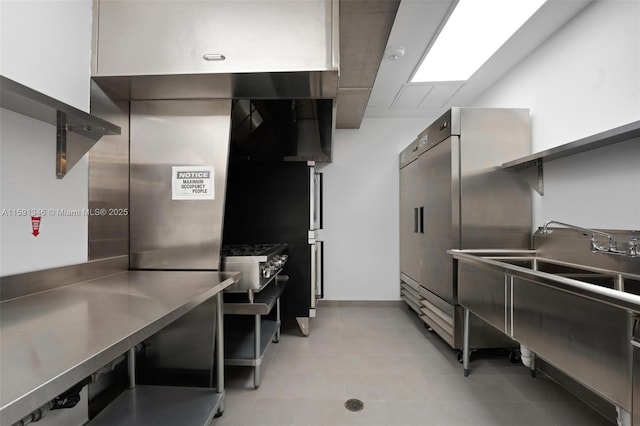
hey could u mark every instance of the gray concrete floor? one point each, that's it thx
(405, 375)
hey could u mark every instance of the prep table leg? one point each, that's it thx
(533, 364)
(256, 369)
(303, 324)
(220, 351)
(465, 347)
(131, 366)
(277, 337)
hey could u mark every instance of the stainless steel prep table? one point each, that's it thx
(52, 340)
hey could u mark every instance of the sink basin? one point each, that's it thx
(629, 283)
(600, 278)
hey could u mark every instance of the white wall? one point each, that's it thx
(584, 80)
(361, 196)
(45, 45)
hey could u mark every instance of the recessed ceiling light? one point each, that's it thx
(475, 30)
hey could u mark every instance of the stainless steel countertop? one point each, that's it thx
(54, 339)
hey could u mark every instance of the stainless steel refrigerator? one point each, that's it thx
(455, 195)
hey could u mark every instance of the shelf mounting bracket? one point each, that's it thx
(533, 174)
(76, 131)
(71, 144)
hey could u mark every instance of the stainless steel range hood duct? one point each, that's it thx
(312, 131)
(245, 119)
(282, 130)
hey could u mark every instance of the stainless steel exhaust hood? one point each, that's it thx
(153, 50)
(240, 51)
(267, 85)
(303, 102)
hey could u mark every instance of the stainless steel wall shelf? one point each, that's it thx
(77, 131)
(599, 140)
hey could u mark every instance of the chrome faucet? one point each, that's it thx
(611, 247)
(634, 245)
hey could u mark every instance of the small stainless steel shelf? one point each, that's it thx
(247, 338)
(161, 405)
(263, 302)
(77, 131)
(599, 140)
(239, 347)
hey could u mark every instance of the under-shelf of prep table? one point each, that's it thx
(161, 405)
(247, 332)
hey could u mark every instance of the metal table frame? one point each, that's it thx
(103, 316)
(152, 405)
(240, 350)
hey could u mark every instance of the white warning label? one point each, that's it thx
(192, 183)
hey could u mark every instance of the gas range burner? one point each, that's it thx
(258, 263)
(250, 249)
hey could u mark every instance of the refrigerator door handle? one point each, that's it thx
(312, 197)
(319, 270)
(315, 199)
(422, 220)
(415, 220)
(319, 199)
(314, 265)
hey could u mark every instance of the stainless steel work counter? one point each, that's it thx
(52, 340)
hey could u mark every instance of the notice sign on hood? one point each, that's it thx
(192, 183)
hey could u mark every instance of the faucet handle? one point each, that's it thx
(610, 247)
(634, 244)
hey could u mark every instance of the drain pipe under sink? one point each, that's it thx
(624, 417)
(526, 356)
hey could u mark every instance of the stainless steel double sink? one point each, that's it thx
(591, 275)
(579, 318)
(559, 274)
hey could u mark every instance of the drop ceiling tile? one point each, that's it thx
(411, 96)
(440, 94)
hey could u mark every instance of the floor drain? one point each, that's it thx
(353, 404)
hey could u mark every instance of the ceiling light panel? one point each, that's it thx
(475, 30)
